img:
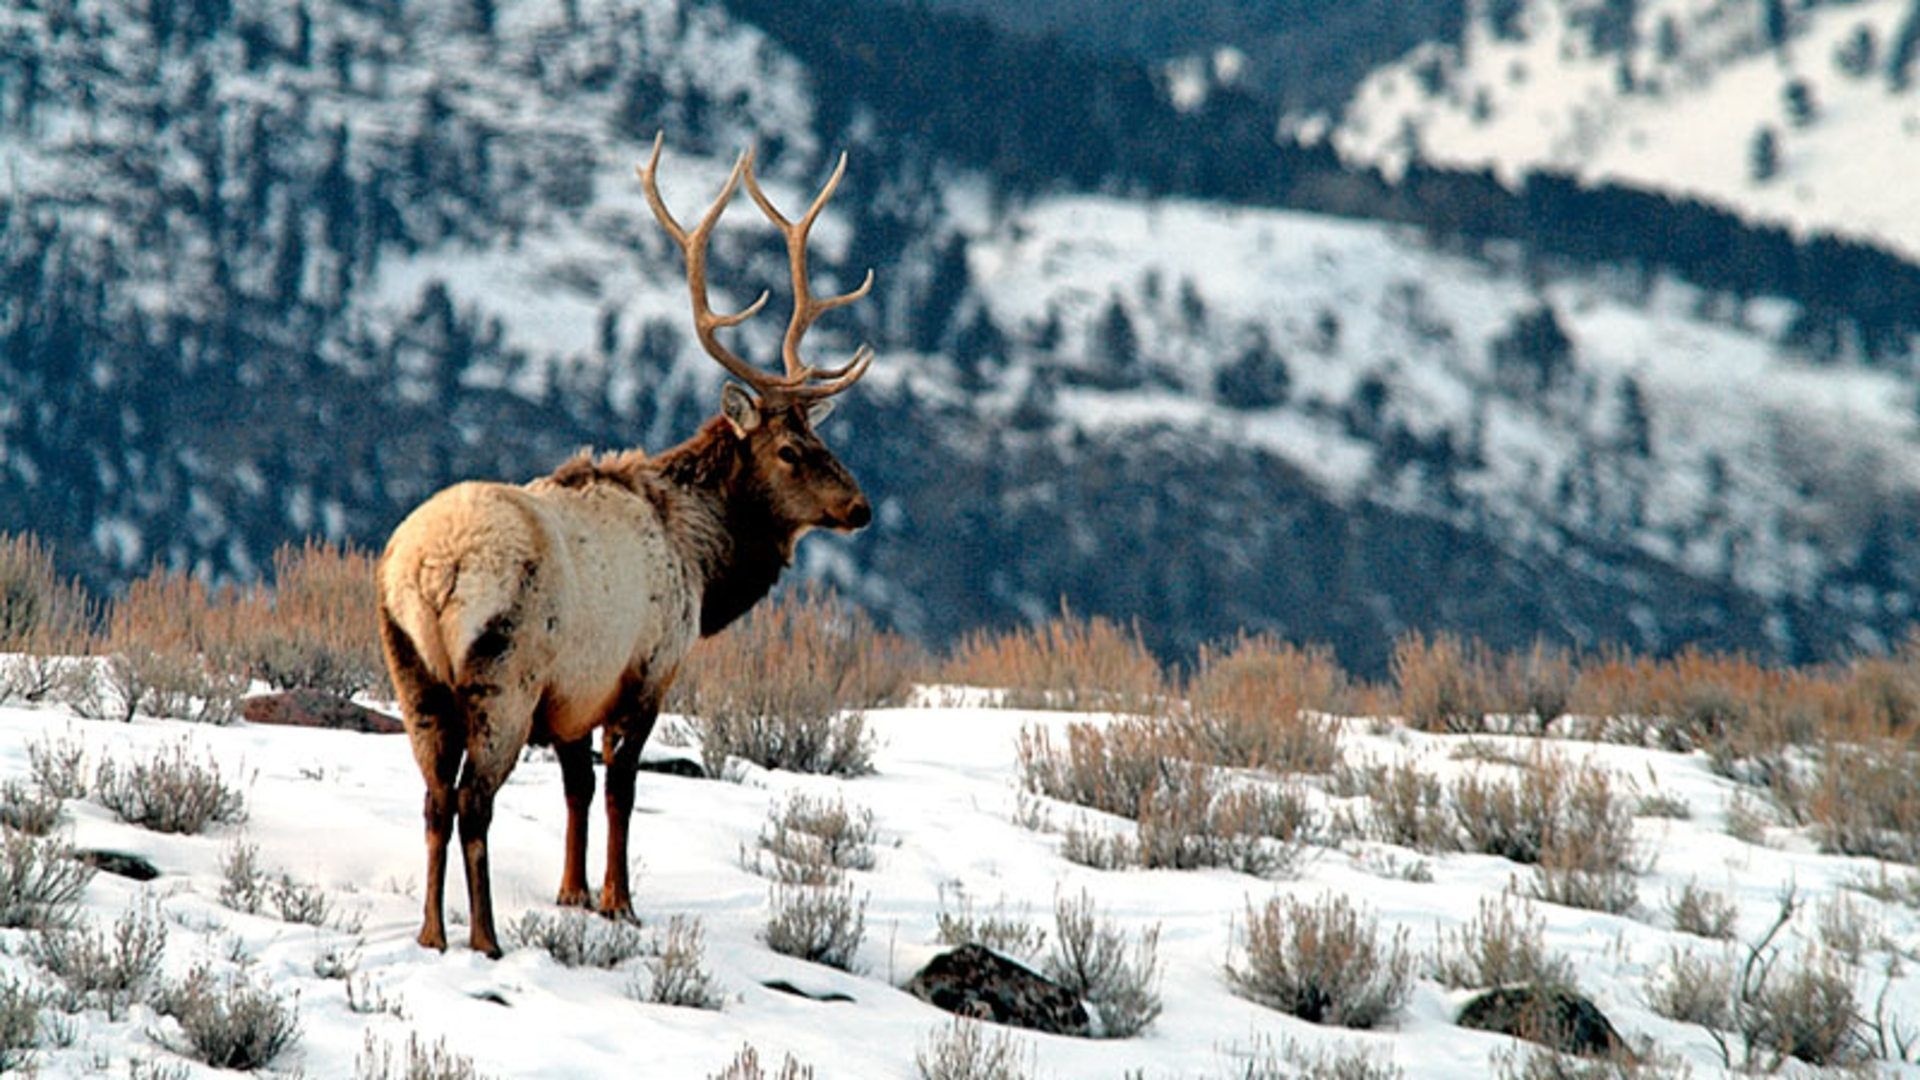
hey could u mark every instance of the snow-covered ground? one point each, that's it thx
(1674, 103)
(340, 812)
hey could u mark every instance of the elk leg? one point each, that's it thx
(436, 727)
(626, 735)
(576, 777)
(497, 727)
(440, 764)
(623, 761)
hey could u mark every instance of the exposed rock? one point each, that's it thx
(120, 864)
(976, 982)
(675, 767)
(785, 987)
(1554, 1016)
(312, 708)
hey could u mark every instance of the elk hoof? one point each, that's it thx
(487, 946)
(619, 911)
(578, 897)
(433, 937)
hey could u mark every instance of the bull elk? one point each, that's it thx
(539, 613)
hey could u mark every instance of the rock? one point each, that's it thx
(976, 982)
(312, 708)
(675, 767)
(120, 864)
(785, 987)
(1553, 1016)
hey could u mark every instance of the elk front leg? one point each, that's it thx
(576, 777)
(623, 762)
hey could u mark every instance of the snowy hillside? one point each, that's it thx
(337, 813)
(1803, 114)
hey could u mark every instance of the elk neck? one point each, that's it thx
(734, 538)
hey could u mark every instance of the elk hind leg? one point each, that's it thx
(436, 727)
(498, 722)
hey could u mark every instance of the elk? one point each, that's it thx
(539, 613)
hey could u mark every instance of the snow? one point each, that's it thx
(1549, 99)
(340, 812)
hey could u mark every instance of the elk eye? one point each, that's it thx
(789, 455)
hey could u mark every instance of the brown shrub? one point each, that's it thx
(1323, 963)
(169, 646)
(1264, 704)
(1868, 801)
(1086, 665)
(783, 687)
(314, 629)
(1445, 684)
(1109, 767)
(43, 617)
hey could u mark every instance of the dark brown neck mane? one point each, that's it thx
(746, 547)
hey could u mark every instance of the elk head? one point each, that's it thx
(802, 484)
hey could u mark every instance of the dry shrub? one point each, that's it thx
(1444, 684)
(314, 629)
(783, 688)
(230, 1023)
(746, 1066)
(1264, 704)
(1703, 913)
(168, 792)
(677, 973)
(1409, 807)
(110, 972)
(577, 938)
(43, 617)
(1294, 1060)
(966, 1050)
(1135, 768)
(812, 831)
(1868, 801)
(28, 808)
(169, 646)
(1323, 962)
(19, 1025)
(419, 1061)
(1693, 989)
(1501, 946)
(1570, 824)
(1091, 960)
(1847, 930)
(1003, 932)
(1087, 665)
(59, 765)
(1110, 767)
(821, 923)
(40, 882)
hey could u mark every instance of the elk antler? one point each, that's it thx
(799, 382)
(806, 308)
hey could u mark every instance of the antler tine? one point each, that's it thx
(694, 247)
(806, 308)
(834, 380)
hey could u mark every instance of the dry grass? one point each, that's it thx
(418, 1061)
(1703, 912)
(314, 628)
(966, 1050)
(1091, 960)
(1694, 989)
(746, 1066)
(1323, 962)
(1264, 704)
(1868, 800)
(783, 688)
(1087, 665)
(1500, 946)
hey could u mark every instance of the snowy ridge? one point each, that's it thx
(1673, 95)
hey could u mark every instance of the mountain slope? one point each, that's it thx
(1800, 114)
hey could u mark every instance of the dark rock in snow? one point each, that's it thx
(120, 864)
(977, 982)
(311, 708)
(675, 767)
(785, 987)
(1552, 1016)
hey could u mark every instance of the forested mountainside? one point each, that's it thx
(276, 270)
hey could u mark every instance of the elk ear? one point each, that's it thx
(818, 412)
(738, 406)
